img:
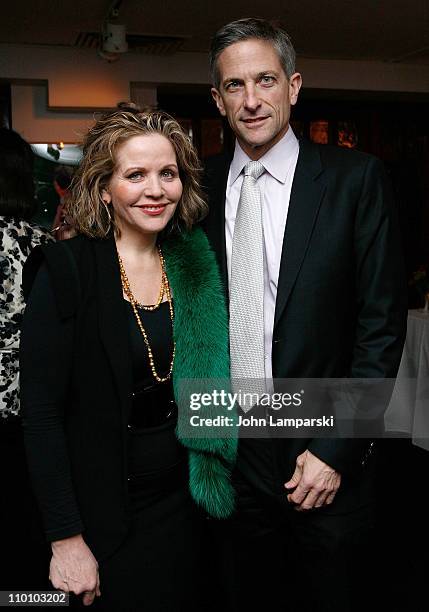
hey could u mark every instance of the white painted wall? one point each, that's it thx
(79, 78)
(56, 89)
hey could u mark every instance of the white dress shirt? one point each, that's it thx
(275, 185)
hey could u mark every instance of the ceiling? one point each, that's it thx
(388, 30)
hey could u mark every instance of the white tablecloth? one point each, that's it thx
(408, 410)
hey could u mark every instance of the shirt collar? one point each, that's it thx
(273, 161)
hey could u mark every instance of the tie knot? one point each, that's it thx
(254, 169)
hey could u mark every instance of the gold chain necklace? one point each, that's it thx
(165, 288)
(129, 293)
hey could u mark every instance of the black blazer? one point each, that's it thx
(341, 299)
(89, 440)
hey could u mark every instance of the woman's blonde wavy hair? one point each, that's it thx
(88, 213)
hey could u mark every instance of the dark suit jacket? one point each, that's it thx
(341, 298)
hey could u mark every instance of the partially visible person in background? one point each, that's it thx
(18, 512)
(62, 227)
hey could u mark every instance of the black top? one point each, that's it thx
(158, 328)
(153, 448)
(152, 401)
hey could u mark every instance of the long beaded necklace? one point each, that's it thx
(129, 293)
(165, 290)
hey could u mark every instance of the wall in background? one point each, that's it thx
(36, 122)
(56, 89)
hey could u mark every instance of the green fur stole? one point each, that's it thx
(201, 336)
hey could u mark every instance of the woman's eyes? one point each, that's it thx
(168, 173)
(138, 175)
(135, 176)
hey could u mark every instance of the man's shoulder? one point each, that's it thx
(217, 164)
(340, 158)
(215, 176)
(347, 156)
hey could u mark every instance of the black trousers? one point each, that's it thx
(312, 562)
(282, 560)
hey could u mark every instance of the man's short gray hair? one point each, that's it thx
(248, 28)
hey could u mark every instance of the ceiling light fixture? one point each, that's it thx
(113, 39)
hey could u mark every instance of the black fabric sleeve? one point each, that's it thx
(381, 292)
(45, 368)
(381, 285)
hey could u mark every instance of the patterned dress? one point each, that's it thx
(17, 239)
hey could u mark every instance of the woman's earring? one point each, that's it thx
(109, 216)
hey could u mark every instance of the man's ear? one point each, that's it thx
(295, 83)
(106, 197)
(219, 102)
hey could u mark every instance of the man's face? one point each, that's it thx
(255, 94)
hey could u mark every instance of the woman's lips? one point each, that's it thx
(153, 211)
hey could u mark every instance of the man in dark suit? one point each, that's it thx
(334, 306)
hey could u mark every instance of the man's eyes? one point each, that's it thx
(267, 79)
(233, 85)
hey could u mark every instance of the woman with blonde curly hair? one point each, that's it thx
(115, 319)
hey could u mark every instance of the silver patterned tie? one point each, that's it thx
(247, 290)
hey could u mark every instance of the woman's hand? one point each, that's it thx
(74, 568)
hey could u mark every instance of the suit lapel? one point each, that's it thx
(307, 192)
(113, 322)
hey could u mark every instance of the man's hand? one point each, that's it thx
(74, 568)
(316, 483)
